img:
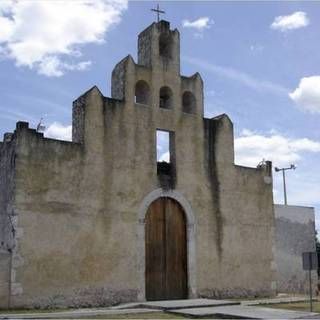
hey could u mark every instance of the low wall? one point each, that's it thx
(295, 234)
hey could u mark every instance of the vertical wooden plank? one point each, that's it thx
(155, 251)
(166, 251)
(176, 251)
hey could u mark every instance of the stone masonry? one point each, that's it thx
(72, 214)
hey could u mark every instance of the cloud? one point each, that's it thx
(58, 131)
(54, 67)
(296, 20)
(239, 76)
(302, 190)
(210, 93)
(165, 157)
(256, 48)
(303, 186)
(48, 35)
(307, 95)
(162, 144)
(198, 24)
(251, 148)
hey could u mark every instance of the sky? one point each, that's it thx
(259, 60)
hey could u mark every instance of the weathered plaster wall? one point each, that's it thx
(78, 203)
(295, 234)
(4, 278)
(240, 224)
(7, 172)
(70, 248)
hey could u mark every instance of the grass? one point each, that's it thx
(295, 306)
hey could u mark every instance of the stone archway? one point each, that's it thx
(166, 251)
(190, 235)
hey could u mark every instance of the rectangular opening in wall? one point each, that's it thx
(165, 158)
(163, 146)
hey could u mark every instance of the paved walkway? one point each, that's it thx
(180, 304)
(244, 312)
(230, 309)
(190, 308)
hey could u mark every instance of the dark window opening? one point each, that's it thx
(142, 93)
(165, 98)
(165, 45)
(188, 102)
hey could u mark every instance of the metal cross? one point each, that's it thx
(158, 11)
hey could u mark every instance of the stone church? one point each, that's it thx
(99, 220)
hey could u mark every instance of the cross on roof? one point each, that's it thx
(158, 11)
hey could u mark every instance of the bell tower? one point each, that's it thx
(159, 47)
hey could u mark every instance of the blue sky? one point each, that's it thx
(259, 60)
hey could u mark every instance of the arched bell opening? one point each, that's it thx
(142, 93)
(189, 104)
(165, 98)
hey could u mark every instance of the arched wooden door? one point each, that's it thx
(166, 251)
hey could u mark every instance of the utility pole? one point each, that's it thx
(292, 166)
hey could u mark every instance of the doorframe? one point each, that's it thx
(191, 239)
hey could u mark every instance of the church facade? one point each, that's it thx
(99, 220)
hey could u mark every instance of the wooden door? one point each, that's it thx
(166, 251)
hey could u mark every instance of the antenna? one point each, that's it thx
(276, 169)
(262, 163)
(41, 127)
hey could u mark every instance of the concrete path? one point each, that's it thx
(197, 308)
(244, 312)
(180, 304)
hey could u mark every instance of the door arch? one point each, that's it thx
(166, 251)
(191, 239)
